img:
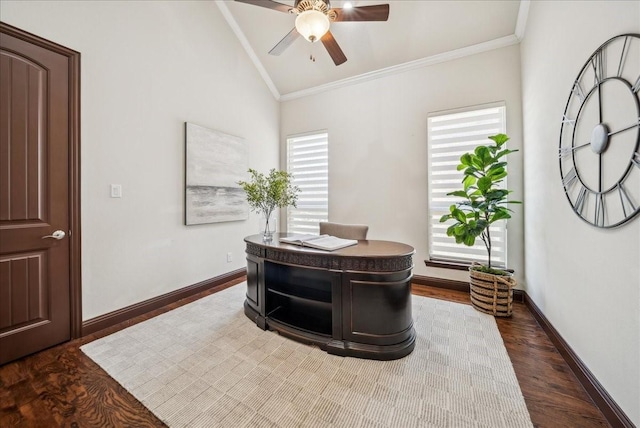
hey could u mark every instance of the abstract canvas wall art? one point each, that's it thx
(215, 162)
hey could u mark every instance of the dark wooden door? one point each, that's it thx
(35, 195)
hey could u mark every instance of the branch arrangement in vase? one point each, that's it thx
(266, 193)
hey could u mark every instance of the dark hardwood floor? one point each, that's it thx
(62, 387)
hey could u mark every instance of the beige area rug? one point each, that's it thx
(206, 365)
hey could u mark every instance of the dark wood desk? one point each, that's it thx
(355, 301)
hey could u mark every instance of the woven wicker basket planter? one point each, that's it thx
(492, 294)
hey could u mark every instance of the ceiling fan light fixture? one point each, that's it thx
(312, 24)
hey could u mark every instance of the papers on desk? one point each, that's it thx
(321, 242)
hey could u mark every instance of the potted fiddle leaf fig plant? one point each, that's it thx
(266, 193)
(483, 203)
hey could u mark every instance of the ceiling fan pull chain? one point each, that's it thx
(312, 57)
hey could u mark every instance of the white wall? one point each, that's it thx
(378, 144)
(147, 67)
(585, 280)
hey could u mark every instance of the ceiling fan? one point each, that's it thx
(314, 19)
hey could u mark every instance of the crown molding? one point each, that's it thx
(523, 15)
(407, 66)
(226, 13)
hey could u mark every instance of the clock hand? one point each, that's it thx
(599, 172)
(598, 74)
(599, 102)
(566, 151)
(624, 129)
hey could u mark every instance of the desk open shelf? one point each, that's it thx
(298, 281)
(299, 297)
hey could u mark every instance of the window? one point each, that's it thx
(308, 161)
(450, 135)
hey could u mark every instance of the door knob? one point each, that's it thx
(58, 234)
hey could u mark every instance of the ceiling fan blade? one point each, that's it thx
(268, 4)
(332, 47)
(363, 13)
(285, 42)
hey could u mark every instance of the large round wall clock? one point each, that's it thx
(600, 135)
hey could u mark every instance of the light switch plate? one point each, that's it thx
(116, 191)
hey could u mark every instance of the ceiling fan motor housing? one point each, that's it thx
(320, 5)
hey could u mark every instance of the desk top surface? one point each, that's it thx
(365, 248)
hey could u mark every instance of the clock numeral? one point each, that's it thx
(581, 200)
(597, 62)
(570, 179)
(563, 152)
(625, 200)
(565, 119)
(636, 86)
(623, 55)
(600, 210)
(578, 92)
(636, 159)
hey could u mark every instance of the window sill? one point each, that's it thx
(455, 265)
(447, 264)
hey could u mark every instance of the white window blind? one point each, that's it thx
(308, 161)
(450, 135)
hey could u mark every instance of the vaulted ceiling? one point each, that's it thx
(417, 33)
